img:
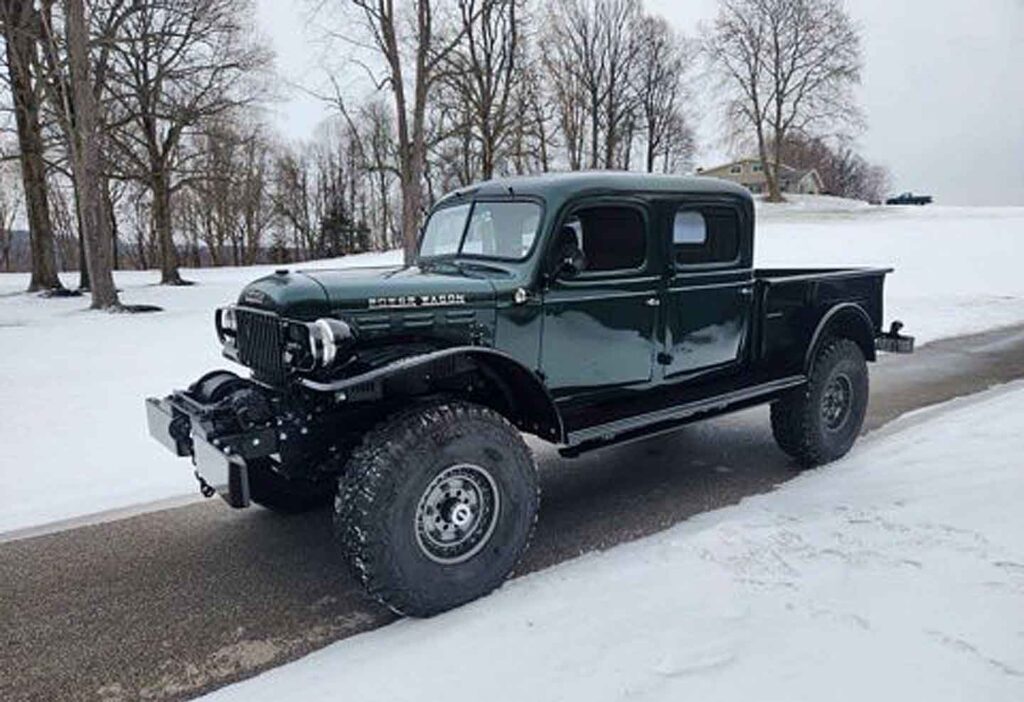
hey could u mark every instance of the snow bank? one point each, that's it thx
(897, 573)
(72, 424)
(811, 204)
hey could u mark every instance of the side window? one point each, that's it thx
(707, 235)
(612, 238)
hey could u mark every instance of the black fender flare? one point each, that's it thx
(848, 320)
(534, 411)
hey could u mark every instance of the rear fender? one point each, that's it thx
(847, 320)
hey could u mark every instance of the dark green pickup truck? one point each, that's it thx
(586, 309)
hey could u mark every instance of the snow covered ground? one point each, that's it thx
(957, 268)
(72, 382)
(897, 573)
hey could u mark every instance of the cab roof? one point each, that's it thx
(561, 186)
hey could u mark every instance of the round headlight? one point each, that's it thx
(226, 324)
(326, 336)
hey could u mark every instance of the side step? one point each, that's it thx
(670, 418)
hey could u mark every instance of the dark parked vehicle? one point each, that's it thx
(909, 198)
(585, 309)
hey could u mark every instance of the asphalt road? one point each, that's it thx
(169, 604)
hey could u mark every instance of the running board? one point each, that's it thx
(670, 418)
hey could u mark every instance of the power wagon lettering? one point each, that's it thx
(440, 300)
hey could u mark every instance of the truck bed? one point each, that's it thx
(790, 302)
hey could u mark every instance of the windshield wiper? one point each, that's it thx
(479, 265)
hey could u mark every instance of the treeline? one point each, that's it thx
(140, 139)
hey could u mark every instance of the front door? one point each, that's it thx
(710, 289)
(599, 324)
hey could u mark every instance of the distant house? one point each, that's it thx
(749, 172)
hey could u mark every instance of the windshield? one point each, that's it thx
(501, 230)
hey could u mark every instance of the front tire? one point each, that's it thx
(437, 506)
(819, 422)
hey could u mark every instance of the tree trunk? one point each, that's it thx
(412, 196)
(87, 162)
(771, 174)
(108, 203)
(83, 267)
(161, 191)
(776, 196)
(20, 27)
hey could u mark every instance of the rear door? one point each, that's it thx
(709, 296)
(599, 326)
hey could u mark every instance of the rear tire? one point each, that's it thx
(285, 495)
(437, 506)
(820, 421)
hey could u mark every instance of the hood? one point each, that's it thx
(351, 289)
(316, 293)
(294, 295)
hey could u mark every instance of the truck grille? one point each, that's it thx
(261, 342)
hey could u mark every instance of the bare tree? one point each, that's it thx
(787, 66)
(82, 123)
(378, 161)
(534, 121)
(294, 200)
(843, 171)
(663, 61)
(481, 73)
(413, 64)
(227, 206)
(21, 27)
(595, 49)
(175, 64)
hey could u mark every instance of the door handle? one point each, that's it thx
(747, 292)
(652, 302)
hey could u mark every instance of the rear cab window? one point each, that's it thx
(705, 236)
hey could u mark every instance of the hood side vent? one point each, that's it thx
(460, 316)
(416, 320)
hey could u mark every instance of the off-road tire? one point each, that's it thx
(798, 419)
(285, 495)
(377, 510)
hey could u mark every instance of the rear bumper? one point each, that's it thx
(894, 342)
(184, 427)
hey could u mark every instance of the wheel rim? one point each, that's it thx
(457, 513)
(836, 402)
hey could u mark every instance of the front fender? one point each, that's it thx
(532, 408)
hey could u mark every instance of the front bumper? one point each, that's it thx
(188, 428)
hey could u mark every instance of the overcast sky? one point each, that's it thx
(943, 89)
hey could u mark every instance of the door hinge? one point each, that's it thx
(664, 359)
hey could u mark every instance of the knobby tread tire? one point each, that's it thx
(369, 489)
(795, 418)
